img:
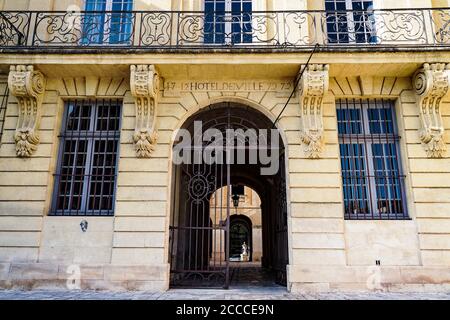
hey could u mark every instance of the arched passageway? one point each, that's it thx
(241, 238)
(199, 225)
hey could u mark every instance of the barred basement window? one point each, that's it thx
(373, 183)
(85, 180)
(3, 103)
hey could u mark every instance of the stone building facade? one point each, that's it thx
(91, 99)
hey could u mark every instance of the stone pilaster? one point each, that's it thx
(144, 84)
(312, 88)
(28, 86)
(431, 83)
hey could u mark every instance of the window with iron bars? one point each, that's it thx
(85, 180)
(350, 21)
(3, 104)
(373, 183)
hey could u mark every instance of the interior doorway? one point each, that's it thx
(241, 241)
(207, 228)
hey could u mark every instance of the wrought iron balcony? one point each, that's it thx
(176, 30)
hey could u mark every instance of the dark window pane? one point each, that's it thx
(330, 5)
(228, 23)
(349, 22)
(104, 26)
(349, 120)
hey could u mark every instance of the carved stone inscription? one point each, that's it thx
(172, 87)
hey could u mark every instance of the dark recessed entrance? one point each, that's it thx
(203, 233)
(240, 235)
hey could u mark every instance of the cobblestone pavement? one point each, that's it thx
(207, 294)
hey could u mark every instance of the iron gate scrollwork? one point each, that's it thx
(194, 234)
(199, 231)
(212, 30)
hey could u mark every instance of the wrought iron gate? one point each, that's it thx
(200, 232)
(199, 243)
(281, 252)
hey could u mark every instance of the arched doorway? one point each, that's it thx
(200, 230)
(241, 235)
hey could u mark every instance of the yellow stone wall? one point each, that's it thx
(319, 237)
(131, 249)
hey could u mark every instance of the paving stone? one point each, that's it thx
(265, 293)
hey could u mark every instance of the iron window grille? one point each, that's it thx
(373, 183)
(85, 180)
(3, 105)
(350, 21)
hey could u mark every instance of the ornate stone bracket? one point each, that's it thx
(28, 86)
(312, 88)
(144, 83)
(431, 83)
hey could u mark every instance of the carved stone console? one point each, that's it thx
(28, 86)
(144, 83)
(431, 83)
(312, 87)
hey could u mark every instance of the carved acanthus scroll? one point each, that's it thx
(431, 83)
(144, 88)
(312, 88)
(28, 86)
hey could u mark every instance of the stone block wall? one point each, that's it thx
(429, 181)
(130, 250)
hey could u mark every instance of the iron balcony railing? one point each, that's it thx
(409, 28)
